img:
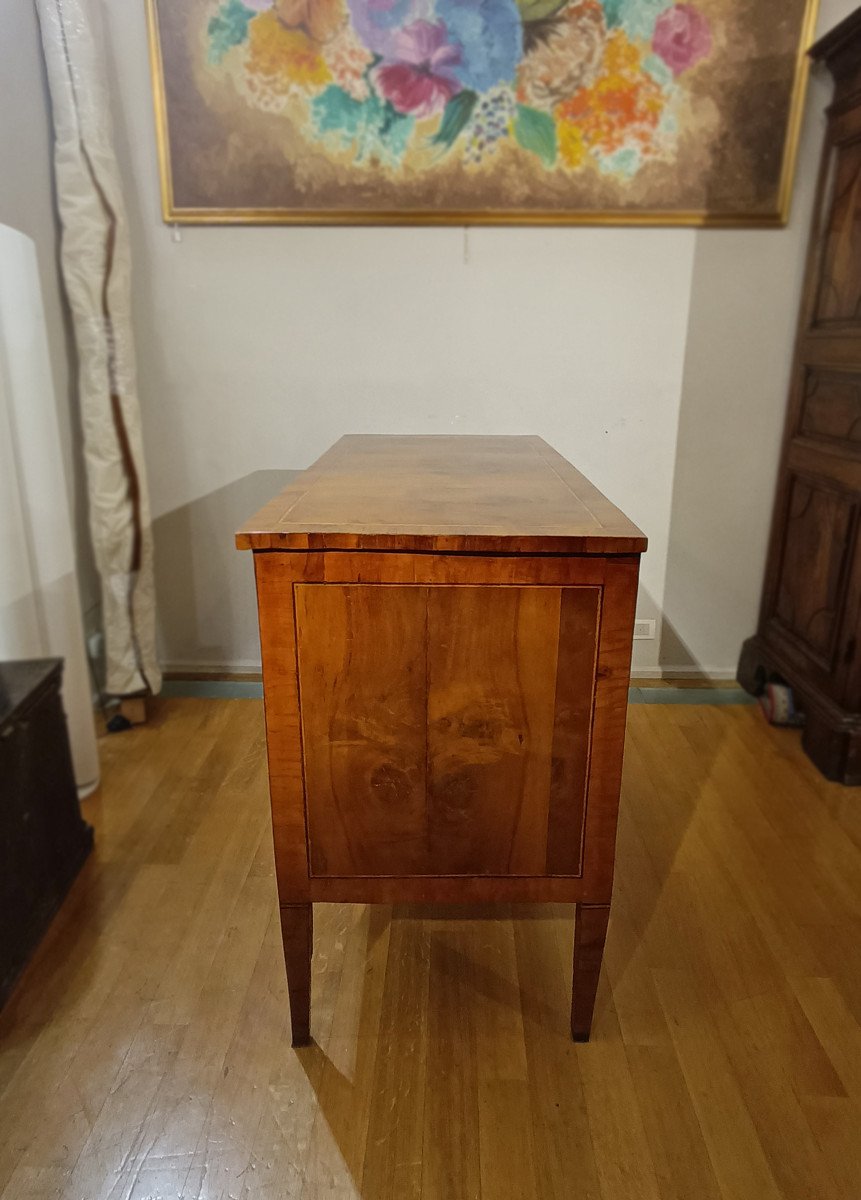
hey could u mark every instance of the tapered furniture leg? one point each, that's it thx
(297, 932)
(590, 933)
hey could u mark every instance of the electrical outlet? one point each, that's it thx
(644, 631)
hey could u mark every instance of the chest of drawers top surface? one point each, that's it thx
(446, 493)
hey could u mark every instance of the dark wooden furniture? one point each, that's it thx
(43, 839)
(810, 620)
(446, 627)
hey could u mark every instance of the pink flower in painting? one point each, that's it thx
(419, 80)
(682, 37)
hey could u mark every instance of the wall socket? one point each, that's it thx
(644, 631)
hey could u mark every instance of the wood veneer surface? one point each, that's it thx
(441, 492)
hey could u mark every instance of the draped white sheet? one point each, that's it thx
(40, 608)
(96, 263)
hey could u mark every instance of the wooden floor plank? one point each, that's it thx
(622, 1155)
(736, 1153)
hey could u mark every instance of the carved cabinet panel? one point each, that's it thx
(839, 289)
(831, 410)
(813, 568)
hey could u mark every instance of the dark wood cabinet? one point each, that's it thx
(810, 621)
(43, 838)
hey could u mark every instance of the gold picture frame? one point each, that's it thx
(181, 109)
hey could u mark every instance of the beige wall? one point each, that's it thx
(656, 359)
(27, 204)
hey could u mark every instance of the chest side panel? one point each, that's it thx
(446, 730)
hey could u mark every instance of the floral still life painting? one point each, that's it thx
(352, 111)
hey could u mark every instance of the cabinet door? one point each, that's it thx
(813, 572)
(446, 730)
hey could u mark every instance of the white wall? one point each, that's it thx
(655, 359)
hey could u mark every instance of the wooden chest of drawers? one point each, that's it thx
(446, 626)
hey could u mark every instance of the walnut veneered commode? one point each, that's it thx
(445, 625)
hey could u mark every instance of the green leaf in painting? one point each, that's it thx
(454, 118)
(228, 28)
(373, 128)
(539, 10)
(536, 131)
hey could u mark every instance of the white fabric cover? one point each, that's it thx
(40, 608)
(96, 265)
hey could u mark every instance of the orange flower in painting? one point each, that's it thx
(573, 147)
(620, 110)
(321, 19)
(284, 58)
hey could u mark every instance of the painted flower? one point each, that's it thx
(682, 37)
(321, 19)
(282, 60)
(621, 111)
(489, 124)
(371, 129)
(566, 57)
(489, 34)
(421, 80)
(378, 22)
(348, 60)
(636, 17)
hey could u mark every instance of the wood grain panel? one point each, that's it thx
(440, 724)
(283, 742)
(572, 718)
(469, 569)
(442, 492)
(491, 683)
(362, 673)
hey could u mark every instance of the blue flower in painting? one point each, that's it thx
(378, 21)
(490, 35)
(636, 17)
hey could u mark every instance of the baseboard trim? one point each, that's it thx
(177, 674)
(713, 676)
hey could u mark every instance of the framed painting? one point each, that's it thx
(479, 111)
